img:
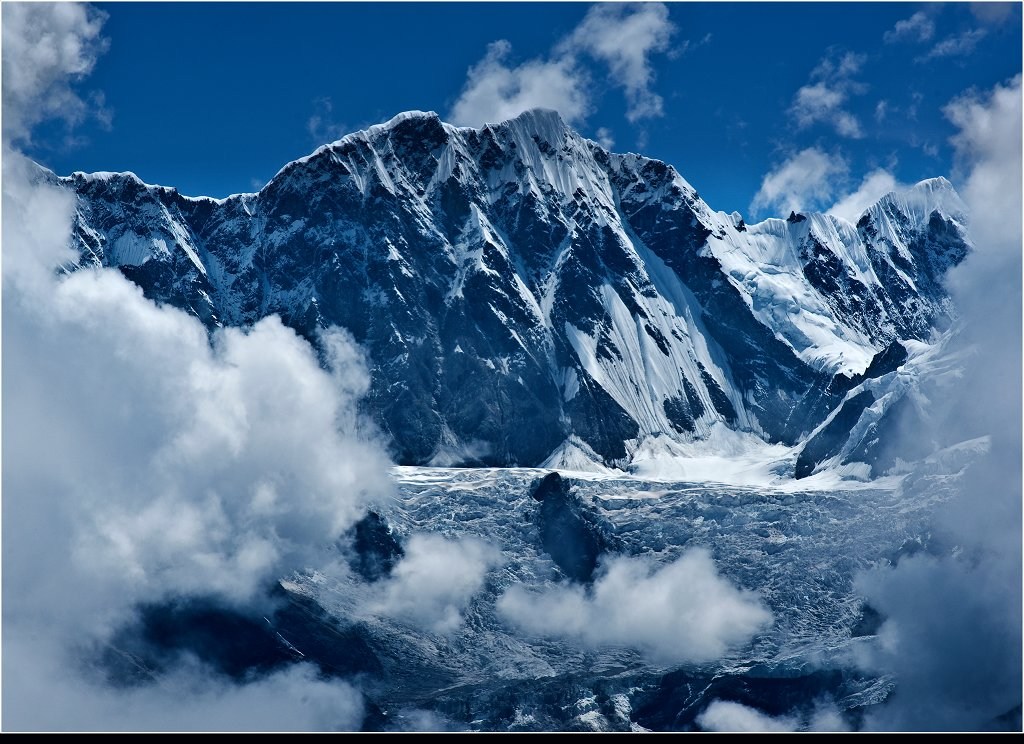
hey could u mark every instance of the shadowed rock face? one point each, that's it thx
(569, 534)
(375, 549)
(517, 285)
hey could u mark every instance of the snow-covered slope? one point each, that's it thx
(525, 295)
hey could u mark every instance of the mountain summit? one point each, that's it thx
(526, 296)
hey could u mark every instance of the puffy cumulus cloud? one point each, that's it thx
(497, 90)
(724, 715)
(806, 180)
(952, 634)
(47, 47)
(684, 611)
(623, 37)
(873, 187)
(919, 27)
(435, 580)
(823, 99)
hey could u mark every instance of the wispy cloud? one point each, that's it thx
(726, 715)
(961, 45)
(805, 180)
(49, 47)
(623, 37)
(322, 126)
(682, 611)
(435, 580)
(919, 27)
(823, 99)
(497, 89)
(873, 187)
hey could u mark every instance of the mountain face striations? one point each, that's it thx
(526, 297)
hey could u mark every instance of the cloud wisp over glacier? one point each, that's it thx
(684, 611)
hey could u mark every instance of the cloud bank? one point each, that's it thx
(145, 459)
(684, 611)
(952, 634)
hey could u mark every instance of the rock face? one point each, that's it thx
(520, 290)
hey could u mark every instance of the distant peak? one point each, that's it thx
(923, 198)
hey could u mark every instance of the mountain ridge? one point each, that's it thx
(519, 288)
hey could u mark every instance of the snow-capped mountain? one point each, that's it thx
(525, 296)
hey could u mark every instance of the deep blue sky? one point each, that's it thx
(214, 98)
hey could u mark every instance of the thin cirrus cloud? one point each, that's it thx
(623, 37)
(684, 611)
(823, 99)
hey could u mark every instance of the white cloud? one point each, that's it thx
(623, 37)
(496, 90)
(684, 611)
(952, 634)
(960, 45)
(806, 180)
(321, 125)
(145, 459)
(919, 27)
(44, 694)
(873, 187)
(988, 146)
(724, 715)
(823, 99)
(435, 580)
(46, 48)
(604, 138)
(992, 13)
(881, 110)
